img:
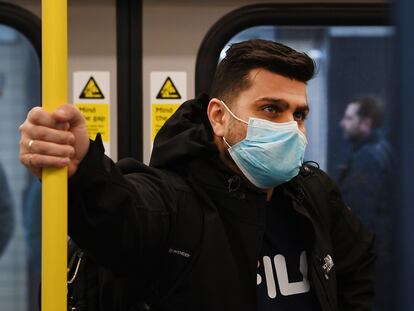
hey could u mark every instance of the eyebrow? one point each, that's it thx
(282, 104)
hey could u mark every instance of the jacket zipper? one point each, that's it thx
(321, 291)
(325, 300)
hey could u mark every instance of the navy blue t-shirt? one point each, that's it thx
(282, 275)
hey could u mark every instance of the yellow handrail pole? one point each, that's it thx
(54, 181)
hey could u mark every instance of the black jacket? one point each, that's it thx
(366, 178)
(185, 233)
(365, 182)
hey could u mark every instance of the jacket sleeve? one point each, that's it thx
(122, 222)
(354, 256)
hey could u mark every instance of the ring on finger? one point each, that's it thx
(30, 159)
(30, 145)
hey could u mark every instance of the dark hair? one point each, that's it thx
(231, 76)
(370, 107)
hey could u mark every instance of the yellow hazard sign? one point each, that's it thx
(160, 114)
(97, 119)
(91, 90)
(168, 90)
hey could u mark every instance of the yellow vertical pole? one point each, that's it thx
(54, 181)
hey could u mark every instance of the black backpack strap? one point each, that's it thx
(75, 278)
(182, 250)
(82, 282)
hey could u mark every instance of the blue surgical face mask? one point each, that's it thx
(271, 154)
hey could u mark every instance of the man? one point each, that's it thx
(366, 179)
(222, 219)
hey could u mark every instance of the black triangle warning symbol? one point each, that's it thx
(168, 90)
(91, 90)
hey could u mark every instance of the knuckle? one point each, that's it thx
(38, 161)
(23, 127)
(33, 161)
(34, 116)
(66, 152)
(65, 137)
(40, 134)
(41, 148)
(37, 116)
(21, 143)
(71, 151)
(70, 138)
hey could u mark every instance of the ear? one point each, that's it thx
(366, 123)
(216, 116)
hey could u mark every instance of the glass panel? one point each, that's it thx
(20, 193)
(348, 140)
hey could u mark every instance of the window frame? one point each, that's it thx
(284, 15)
(129, 79)
(24, 21)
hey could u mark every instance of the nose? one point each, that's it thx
(287, 118)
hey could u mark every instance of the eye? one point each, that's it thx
(270, 109)
(300, 115)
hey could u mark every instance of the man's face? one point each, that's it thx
(270, 97)
(351, 122)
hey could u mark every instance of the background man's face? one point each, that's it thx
(271, 97)
(351, 122)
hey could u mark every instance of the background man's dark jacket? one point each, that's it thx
(365, 180)
(127, 218)
(366, 184)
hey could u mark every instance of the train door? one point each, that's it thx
(19, 192)
(351, 46)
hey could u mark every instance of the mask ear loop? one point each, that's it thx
(225, 141)
(233, 115)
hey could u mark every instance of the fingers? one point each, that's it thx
(46, 148)
(36, 154)
(42, 133)
(41, 126)
(35, 162)
(55, 139)
(61, 119)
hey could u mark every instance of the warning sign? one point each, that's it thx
(168, 90)
(160, 114)
(91, 90)
(91, 95)
(97, 119)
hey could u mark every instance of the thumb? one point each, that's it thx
(68, 113)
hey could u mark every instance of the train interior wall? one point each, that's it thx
(172, 34)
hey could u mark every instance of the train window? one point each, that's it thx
(351, 62)
(19, 193)
(349, 100)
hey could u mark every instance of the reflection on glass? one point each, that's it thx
(20, 248)
(366, 177)
(6, 212)
(346, 130)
